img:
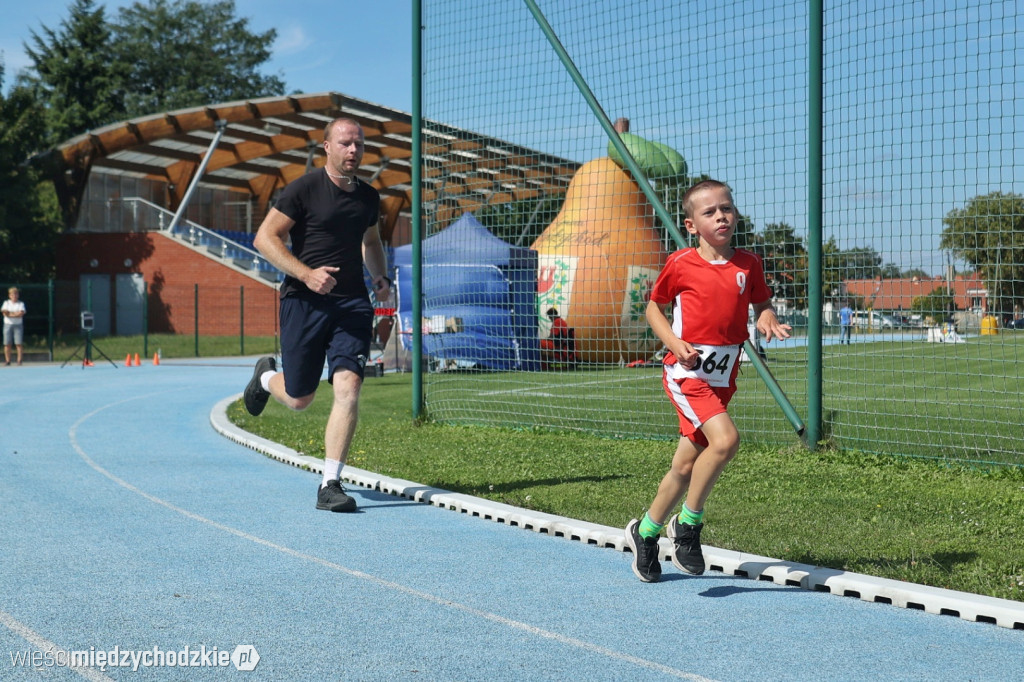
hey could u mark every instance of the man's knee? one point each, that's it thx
(298, 404)
(346, 381)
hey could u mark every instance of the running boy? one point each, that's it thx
(710, 288)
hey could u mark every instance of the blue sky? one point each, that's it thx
(362, 49)
(919, 99)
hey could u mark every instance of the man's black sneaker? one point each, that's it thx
(332, 497)
(645, 553)
(686, 553)
(255, 395)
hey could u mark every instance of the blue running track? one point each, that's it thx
(128, 522)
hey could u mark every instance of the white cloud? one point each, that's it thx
(291, 40)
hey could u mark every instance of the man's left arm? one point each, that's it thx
(376, 263)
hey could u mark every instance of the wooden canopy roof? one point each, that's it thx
(269, 142)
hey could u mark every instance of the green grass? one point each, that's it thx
(917, 520)
(959, 402)
(169, 345)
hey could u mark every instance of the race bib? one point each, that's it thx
(714, 366)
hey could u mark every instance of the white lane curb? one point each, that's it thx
(976, 608)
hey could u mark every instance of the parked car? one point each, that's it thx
(874, 320)
(904, 321)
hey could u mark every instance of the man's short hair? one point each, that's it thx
(338, 121)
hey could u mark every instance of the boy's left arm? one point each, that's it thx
(768, 322)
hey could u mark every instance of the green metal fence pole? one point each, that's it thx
(196, 315)
(417, 211)
(241, 319)
(815, 178)
(50, 321)
(145, 319)
(88, 332)
(774, 388)
(652, 197)
(666, 220)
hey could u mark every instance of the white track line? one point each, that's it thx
(387, 584)
(971, 607)
(45, 645)
(574, 384)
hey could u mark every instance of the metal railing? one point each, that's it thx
(136, 214)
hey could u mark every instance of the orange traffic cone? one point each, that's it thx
(156, 359)
(137, 363)
(128, 360)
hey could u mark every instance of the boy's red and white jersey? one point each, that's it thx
(711, 299)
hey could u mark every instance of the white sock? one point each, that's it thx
(265, 379)
(332, 471)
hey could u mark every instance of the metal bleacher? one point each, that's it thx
(233, 248)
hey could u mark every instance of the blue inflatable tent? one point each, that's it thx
(479, 299)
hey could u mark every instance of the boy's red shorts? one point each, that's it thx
(696, 402)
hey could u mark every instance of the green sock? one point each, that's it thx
(687, 515)
(648, 528)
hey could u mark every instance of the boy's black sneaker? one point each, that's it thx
(255, 395)
(332, 497)
(686, 553)
(645, 553)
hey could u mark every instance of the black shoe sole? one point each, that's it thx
(687, 569)
(346, 504)
(349, 506)
(255, 397)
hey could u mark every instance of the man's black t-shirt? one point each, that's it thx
(328, 230)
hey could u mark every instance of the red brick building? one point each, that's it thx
(183, 285)
(221, 166)
(969, 292)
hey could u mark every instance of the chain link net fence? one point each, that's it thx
(923, 220)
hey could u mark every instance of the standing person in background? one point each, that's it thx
(331, 217)
(710, 289)
(14, 324)
(845, 323)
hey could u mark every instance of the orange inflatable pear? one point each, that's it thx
(598, 260)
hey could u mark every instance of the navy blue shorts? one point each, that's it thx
(318, 328)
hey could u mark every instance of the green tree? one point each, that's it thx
(29, 220)
(167, 54)
(74, 74)
(839, 266)
(90, 72)
(744, 237)
(936, 305)
(785, 262)
(185, 53)
(988, 234)
(890, 271)
(861, 262)
(521, 222)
